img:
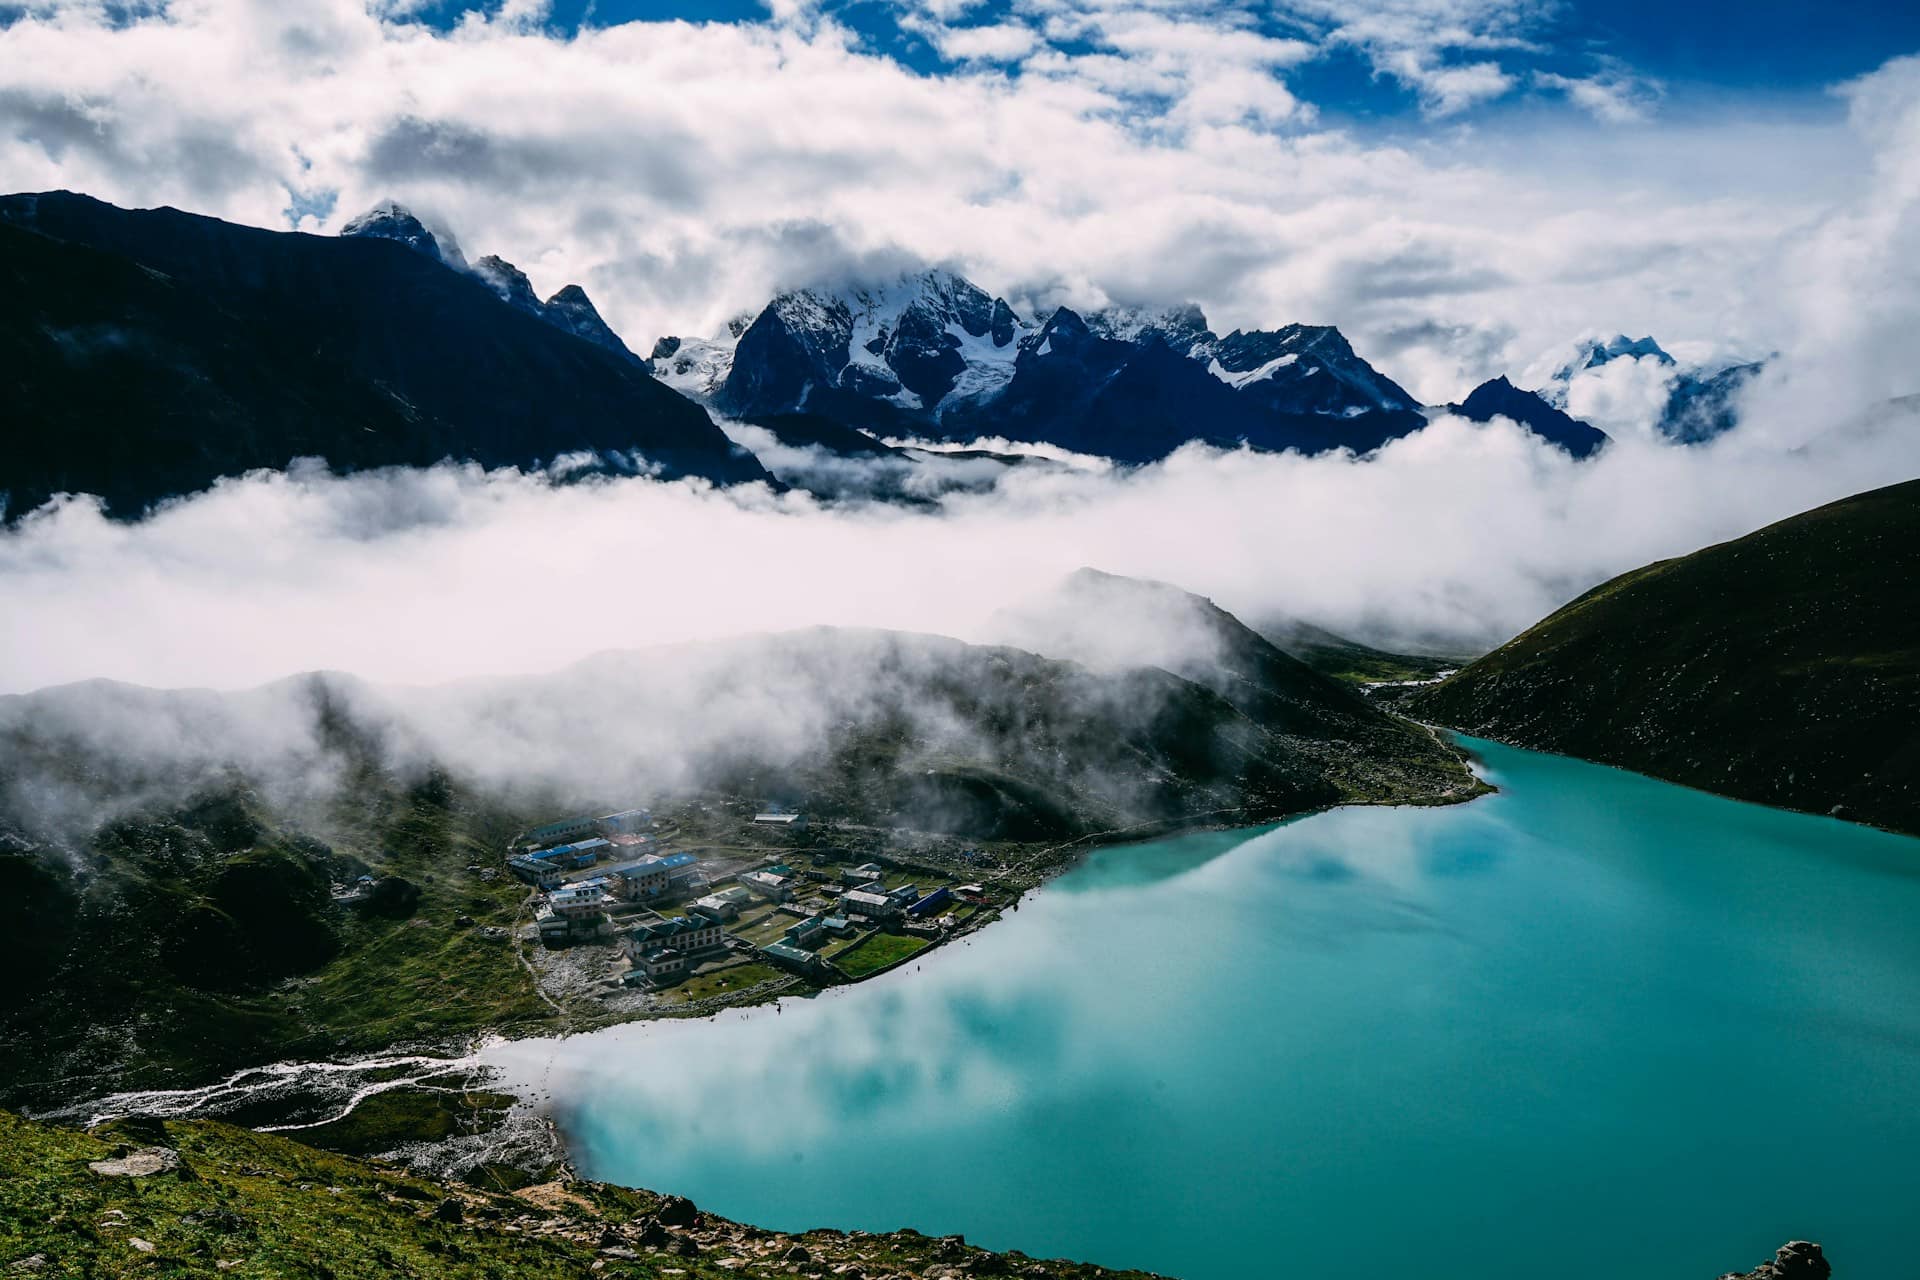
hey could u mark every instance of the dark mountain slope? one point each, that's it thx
(207, 349)
(804, 430)
(1783, 667)
(1112, 622)
(1701, 407)
(1349, 660)
(1500, 398)
(1138, 402)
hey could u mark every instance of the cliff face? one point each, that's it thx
(1782, 668)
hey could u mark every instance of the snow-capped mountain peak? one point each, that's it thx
(1303, 368)
(391, 220)
(509, 281)
(1181, 327)
(917, 342)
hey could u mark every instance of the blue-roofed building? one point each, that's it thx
(931, 903)
(583, 853)
(625, 823)
(683, 869)
(637, 880)
(564, 829)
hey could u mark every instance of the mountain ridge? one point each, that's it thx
(1782, 667)
(151, 352)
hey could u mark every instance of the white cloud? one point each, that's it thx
(681, 172)
(1612, 95)
(991, 42)
(1432, 47)
(1461, 535)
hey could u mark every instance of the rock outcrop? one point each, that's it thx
(1794, 1260)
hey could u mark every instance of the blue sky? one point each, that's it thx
(1784, 52)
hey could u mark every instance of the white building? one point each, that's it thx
(582, 899)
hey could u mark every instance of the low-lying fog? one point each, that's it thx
(1453, 539)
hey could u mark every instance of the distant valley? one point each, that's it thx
(167, 855)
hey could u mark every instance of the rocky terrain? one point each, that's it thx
(1782, 667)
(198, 1198)
(1794, 1260)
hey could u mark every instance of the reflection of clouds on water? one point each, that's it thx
(1529, 1000)
(776, 1082)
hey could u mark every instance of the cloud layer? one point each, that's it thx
(1458, 536)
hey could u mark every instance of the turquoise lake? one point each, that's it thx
(1591, 1026)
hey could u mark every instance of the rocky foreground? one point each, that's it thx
(192, 1198)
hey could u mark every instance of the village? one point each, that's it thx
(704, 918)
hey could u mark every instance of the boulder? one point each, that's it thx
(141, 1163)
(678, 1211)
(1794, 1260)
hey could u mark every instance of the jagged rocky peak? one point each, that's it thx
(1304, 368)
(391, 220)
(1592, 353)
(571, 309)
(1069, 334)
(1619, 347)
(1181, 327)
(1499, 398)
(915, 344)
(509, 281)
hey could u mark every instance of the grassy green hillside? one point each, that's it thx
(221, 1201)
(166, 857)
(1783, 668)
(185, 942)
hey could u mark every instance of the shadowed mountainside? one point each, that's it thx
(149, 352)
(1782, 667)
